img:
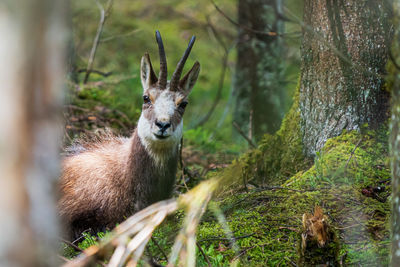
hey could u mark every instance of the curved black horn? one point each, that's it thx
(179, 68)
(162, 80)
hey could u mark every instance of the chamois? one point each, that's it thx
(104, 182)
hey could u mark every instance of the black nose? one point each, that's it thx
(163, 125)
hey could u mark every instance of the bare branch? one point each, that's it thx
(270, 33)
(105, 74)
(222, 75)
(103, 16)
(204, 254)
(160, 248)
(243, 135)
(120, 35)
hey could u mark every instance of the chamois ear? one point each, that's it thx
(147, 74)
(188, 81)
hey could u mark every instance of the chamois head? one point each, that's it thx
(160, 124)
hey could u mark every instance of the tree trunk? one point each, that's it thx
(344, 53)
(258, 82)
(394, 143)
(31, 72)
(395, 168)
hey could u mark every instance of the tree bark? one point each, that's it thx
(258, 79)
(344, 53)
(32, 73)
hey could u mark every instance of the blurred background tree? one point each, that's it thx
(259, 83)
(129, 32)
(32, 76)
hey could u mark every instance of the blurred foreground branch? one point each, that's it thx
(129, 239)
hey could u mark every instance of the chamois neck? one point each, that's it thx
(152, 172)
(161, 151)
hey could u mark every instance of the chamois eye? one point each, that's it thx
(183, 105)
(146, 99)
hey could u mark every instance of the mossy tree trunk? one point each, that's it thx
(344, 53)
(259, 90)
(32, 76)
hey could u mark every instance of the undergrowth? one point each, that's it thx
(266, 222)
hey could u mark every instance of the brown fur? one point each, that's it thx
(110, 181)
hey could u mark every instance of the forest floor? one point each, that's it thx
(349, 179)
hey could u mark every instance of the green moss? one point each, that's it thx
(267, 223)
(351, 158)
(279, 156)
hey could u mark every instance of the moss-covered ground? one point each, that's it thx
(266, 191)
(266, 221)
(265, 218)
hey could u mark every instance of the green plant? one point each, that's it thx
(201, 138)
(214, 256)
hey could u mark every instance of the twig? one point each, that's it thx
(204, 254)
(119, 35)
(71, 244)
(350, 226)
(243, 135)
(222, 75)
(242, 252)
(288, 228)
(105, 74)
(234, 238)
(291, 262)
(351, 155)
(81, 237)
(262, 188)
(160, 248)
(196, 23)
(219, 92)
(216, 35)
(270, 33)
(248, 29)
(70, 106)
(103, 16)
